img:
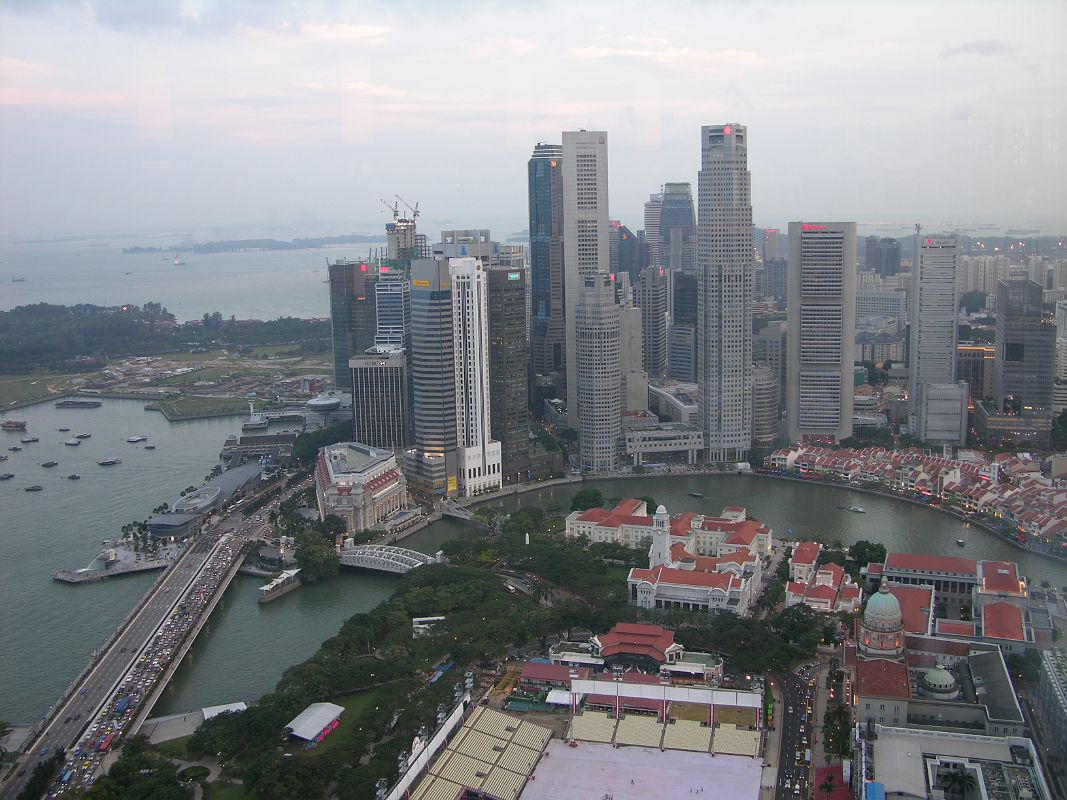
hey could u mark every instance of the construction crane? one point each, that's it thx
(413, 209)
(395, 208)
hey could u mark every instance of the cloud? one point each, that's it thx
(683, 57)
(344, 32)
(16, 68)
(983, 48)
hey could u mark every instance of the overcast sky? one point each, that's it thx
(161, 115)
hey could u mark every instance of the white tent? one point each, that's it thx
(310, 722)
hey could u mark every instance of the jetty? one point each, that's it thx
(90, 575)
(286, 582)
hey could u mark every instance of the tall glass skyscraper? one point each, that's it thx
(548, 330)
(352, 315)
(724, 299)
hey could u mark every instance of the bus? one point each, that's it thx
(105, 743)
(807, 756)
(65, 775)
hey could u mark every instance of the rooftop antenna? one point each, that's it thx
(413, 209)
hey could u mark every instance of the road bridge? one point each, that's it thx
(385, 558)
(452, 509)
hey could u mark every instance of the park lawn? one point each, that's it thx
(269, 350)
(210, 355)
(205, 374)
(174, 748)
(191, 407)
(224, 790)
(344, 736)
(26, 387)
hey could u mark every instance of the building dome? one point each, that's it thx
(883, 611)
(940, 683)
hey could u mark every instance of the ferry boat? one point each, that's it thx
(149, 447)
(136, 439)
(34, 488)
(109, 462)
(696, 494)
(68, 403)
(29, 439)
(3, 457)
(12, 425)
(62, 430)
(15, 448)
(72, 442)
(960, 542)
(83, 436)
(7, 476)
(856, 510)
(74, 477)
(49, 463)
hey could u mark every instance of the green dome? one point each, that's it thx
(883, 611)
(940, 679)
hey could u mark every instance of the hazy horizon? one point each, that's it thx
(196, 115)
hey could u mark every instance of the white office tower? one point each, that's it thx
(392, 293)
(585, 236)
(1059, 387)
(933, 314)
(597, 359)
(653, 215)
(478, 455)
(633, 380)
(821, 330)
(724, 296)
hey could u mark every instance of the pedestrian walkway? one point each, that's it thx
(772, 746)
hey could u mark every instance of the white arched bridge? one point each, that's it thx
(385, 558)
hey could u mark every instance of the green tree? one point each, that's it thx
(316, 557)
(332, 526)
(650, 502)
(972, 301)
(586, 499)
(1059, 432)
(864, 552)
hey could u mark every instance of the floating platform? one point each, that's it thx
(94, 575)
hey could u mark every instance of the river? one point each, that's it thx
(48, 630)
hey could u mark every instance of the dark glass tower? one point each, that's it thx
(548, 331)
(508, 360)
(353, 317)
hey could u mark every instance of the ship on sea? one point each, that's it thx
(136, 439)
(68, 403)
(12, 425)
(109, 462)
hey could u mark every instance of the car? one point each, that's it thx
(42, 752)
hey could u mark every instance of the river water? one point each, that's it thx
(48, 630)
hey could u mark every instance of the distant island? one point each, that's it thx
(234, 245)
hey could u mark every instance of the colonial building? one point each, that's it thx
(823, 588)
(360, 484)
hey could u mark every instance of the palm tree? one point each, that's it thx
(827, 786)
(958, 783)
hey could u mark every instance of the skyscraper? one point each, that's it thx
(597, 383)
(352, 314)
(381, 410)
(933, 315)
(585, 245)
(478, 454)
(887, 257)
(548, 330)
(764, 405)
(430, 464)
(682, 348)
(1025, 367)
(677, 227)
(652, 299)
(508, 361)
(633, 380)
(392, 294)
(821, 330)
(724, 299)
(653, 214)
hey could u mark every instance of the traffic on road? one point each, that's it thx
(797, 726)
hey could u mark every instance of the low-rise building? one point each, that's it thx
(358, 483)
(829, 588)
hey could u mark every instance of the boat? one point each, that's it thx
(109, 462)
(49, 463)
(7, 476)
(3, 457)
(72, 442)
(136, 439)
(68, 403)
(149, 447)
(15, 448)
(34, 488)
(696, 494)
(74, 477)
(29, 439)
(62, 430)
(17, 280)
(960, 542)
(856, 510)
(83, 436)
(178, 260)
(12, 425)
(256, 422)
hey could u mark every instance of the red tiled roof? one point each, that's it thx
(594, 515)
(832, 775)
(630, 637)
(825, 593)
(628, 506)
(915, 604)
(734, 509)
(796, 587)
(954, 627)
(931, 644)
(557, 673)
(921, 561)
(805, 553)
(999, 576)
(850, 592)
(382, 480)
(1003, 621)
(722, 581)
(874, 569)
(880, 677)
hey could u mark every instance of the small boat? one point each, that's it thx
(83, 436)
(34, 488)
(72, 442)
(29, 439)
(17, 280)
(149, 447)
(62, 430)
(79, 404)
(696, 494)
(49, 463)
(136, 439)
(178, 260)
(109, 462)
(3, 457)
(856, 510)
(74, 477)
(7, 476)
(12, 425)
(15, 448)
(960, 542)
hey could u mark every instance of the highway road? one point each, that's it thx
(96, 692)
(796, 725)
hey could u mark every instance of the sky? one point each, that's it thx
(156, 116)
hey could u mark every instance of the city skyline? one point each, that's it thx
(141, 109)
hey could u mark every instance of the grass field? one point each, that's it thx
(211, 355)
(23, 388)
(205, 374)
(179, 408)
(174, 748)
(223, 790)
(343, 737)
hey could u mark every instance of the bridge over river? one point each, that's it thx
(386, 558)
